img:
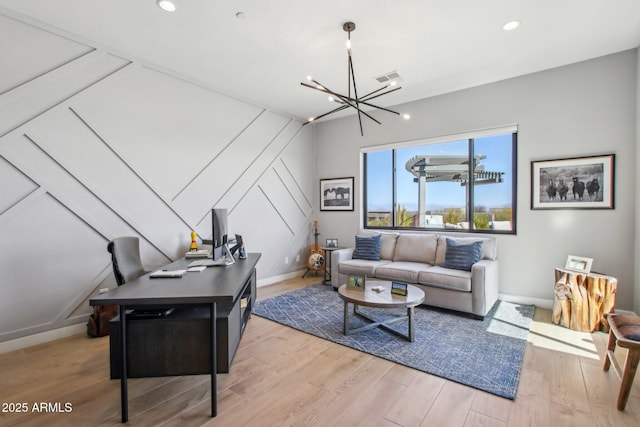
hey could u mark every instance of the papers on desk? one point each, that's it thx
(167, 273)
(202, 253)
(209, 262)
(197, 268)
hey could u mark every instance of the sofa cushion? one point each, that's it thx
(388, 245)
(367, 247)
(402, 271)
(416, 248)
(489, 247)
(461, 256)
(360, 267)
(440, 277)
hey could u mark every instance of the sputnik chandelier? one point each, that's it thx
(349, 100)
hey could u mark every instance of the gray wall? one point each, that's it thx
(583, 109)
(94, 146)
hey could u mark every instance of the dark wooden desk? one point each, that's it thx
(207, 288)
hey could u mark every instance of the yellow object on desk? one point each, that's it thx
(194, 244)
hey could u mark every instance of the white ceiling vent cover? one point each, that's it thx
(388, 77)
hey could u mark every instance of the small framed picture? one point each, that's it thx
(579, 264)
(399, 288)
(331, 243)
(356, 283)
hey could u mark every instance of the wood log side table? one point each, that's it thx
(581, 300)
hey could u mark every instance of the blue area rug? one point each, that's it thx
(486, 355)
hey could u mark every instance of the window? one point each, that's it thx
(460, 183)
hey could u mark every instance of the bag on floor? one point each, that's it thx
(98, 325)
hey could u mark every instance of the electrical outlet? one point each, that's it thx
(298, 258)
(286, 260)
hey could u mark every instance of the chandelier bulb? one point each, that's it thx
(310, 78)
(348, 44)
(331, 99)
(166, 5)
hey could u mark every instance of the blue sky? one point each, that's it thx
(497, 150)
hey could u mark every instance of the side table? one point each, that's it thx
(581, 300)
(327, 264)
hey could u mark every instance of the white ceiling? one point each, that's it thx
(437, 46)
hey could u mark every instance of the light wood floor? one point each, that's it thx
(284, 377)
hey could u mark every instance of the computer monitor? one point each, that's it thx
(219, 226)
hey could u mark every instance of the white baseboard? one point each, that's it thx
(538, 302)
(276, 279)
(42, 337)
(545, 303)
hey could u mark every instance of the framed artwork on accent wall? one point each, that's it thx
(336, 194)
(573, 183)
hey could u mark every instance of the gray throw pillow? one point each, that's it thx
(462, 256)
(367, 247)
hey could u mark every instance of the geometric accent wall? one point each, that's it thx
(94, 146)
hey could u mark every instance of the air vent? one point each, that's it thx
(388, 77)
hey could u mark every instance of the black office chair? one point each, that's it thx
(127, 265)
(125, 258)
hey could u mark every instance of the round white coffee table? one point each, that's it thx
(383, 299)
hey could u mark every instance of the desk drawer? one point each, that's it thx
(177, 344)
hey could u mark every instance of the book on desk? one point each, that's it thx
(167, 273)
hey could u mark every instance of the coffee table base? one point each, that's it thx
(378, 324)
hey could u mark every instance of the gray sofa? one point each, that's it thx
(417, 258)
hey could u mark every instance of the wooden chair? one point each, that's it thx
(625, 332)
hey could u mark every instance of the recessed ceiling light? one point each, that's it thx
(241, 15)
(511, 25)
(166, 5)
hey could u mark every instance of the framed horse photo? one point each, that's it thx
(573, 183)
(336, 194)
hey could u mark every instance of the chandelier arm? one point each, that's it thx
(348, 72)
(351, 102)
(344, 98)
(355, 93)
(353, 78)
(379, 108)
(321, 88)
(367, 98)
(342, 107)
(363, 112)
(325, 90)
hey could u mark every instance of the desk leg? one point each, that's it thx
(214, 364)
(124, 404)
